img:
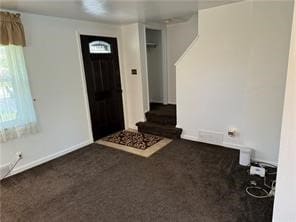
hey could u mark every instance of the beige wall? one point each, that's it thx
(285, 196)
(134, 84)
(179, 37)
(56, 76)
(234, 75)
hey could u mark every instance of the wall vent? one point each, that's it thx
(211, 137)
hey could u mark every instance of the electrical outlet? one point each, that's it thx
(232, 132)
(6, 169)
(19, 155)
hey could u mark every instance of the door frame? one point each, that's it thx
(145, 79)
(83, 79)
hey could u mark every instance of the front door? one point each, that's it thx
(100, 58)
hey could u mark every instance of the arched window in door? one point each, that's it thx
(99, 47)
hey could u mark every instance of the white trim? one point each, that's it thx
(144, 67)
(172, 102)
(156, 26)
(134, 127)
(188, 137)
(156, 101)
(165, 76)
(233, 146)
(48, 158)
(123, 81)
(85, 95)
(227, 145)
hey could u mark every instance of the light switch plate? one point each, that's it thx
(134, 72)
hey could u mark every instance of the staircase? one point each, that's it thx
(161, 121)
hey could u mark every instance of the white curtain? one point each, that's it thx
(17, 115)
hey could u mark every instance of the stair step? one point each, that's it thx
(169, 131)
(161, 118)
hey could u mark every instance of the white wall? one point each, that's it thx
(234, 75)
(285, 196)
(154, 64)
(179, 37)
(134, 85)
(54, 69)
(144, 68)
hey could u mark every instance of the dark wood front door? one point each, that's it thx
(100, 58)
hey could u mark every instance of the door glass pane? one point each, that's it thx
(99, 47)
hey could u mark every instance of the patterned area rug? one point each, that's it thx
(136, 140)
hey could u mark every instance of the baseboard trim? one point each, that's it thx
(133, 127)
(48, 158)
(188, 137)
(233, 146)
(228, 145)
(86, 143)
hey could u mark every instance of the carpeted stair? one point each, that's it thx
(161, 121)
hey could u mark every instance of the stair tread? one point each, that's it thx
(163, 112)
(152, 124)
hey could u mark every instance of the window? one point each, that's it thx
(7, 101)
(99, 47)
(17, 115)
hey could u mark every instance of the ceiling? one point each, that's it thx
(116, 12)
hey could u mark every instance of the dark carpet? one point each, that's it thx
(187, 181)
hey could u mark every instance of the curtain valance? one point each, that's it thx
(11, 29)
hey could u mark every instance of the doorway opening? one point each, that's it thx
(101, 66)
(155, 58)
(161, 116)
